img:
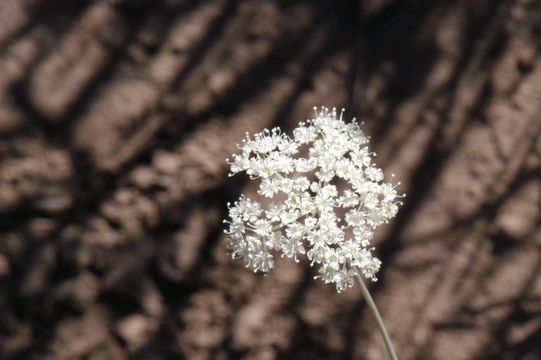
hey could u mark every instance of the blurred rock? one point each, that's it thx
(36, 279)
(143, 177)
(5, 268)
(40, 227)
(82, 290)
(136, 330)
(53, 203)
(166, 162)
(76, 337)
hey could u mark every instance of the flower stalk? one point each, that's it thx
(375, 313)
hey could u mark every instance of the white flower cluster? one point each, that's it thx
(302, 219)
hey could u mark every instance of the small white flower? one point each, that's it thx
(304, 221)
(268, 187)
(289, 216)
(262, 227)
(305, 165)
(302, 183)
(263, 262)
(348, 199)
(295, 230)
(274, 211)
(344, 279)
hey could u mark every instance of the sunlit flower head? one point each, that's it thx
(306, 192)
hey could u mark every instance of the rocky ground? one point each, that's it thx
(115, 121)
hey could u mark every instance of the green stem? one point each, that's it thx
(375, 314)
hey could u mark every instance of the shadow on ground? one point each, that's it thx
(115, 121)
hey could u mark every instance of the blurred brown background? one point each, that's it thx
(115, 121)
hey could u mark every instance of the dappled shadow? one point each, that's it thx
(115, 121)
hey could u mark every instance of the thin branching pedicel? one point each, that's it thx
(304, 221)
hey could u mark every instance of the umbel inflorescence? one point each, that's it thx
(301, 217)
